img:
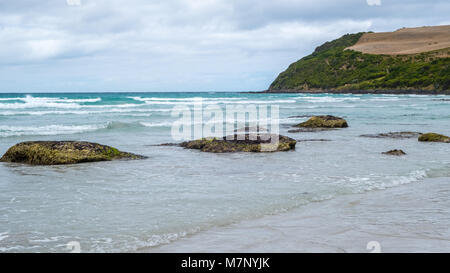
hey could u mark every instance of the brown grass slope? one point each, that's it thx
(405, 41)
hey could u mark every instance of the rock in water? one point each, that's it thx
(433, 137)
(242, 143)
(395, 152)
(324, 122)
(63, 152)
(398, 135)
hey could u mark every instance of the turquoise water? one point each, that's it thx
(131, 205)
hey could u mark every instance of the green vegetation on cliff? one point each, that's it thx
(332, 67)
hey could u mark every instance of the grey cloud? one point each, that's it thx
(253, 14)
(222, 44)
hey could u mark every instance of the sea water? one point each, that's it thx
(134, 205)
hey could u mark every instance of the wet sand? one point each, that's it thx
(407, 218)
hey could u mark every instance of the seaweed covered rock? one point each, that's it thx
(242, 143)
(433, 137)
(324, 122)
(395, 152)
(63, 152)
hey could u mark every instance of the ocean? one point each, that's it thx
(129, 206)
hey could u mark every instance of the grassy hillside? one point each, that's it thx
(331, 67)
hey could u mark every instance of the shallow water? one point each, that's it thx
(408, 219)
(131, 205)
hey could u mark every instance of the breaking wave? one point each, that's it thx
(44, 102)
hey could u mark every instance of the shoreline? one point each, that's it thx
(343, 224)
(357, 92)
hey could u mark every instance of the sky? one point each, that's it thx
(180, 45)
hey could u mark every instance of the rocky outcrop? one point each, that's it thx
(433, 137)
(324, 122)
(63, 152)
(242, 143)
(395, 152)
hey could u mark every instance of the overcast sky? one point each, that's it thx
(180, 45)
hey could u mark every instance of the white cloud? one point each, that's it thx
(41, 49)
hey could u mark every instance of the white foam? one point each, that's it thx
(48, 130)
(38, 104)
(3, 236)
(156, 124)
(44, 102)
(223, 102)
(385, 99)
(30, 102)
(326, 99)
(145, 112)
(183, 99)
(30, 99)
(239, 122)
(9, 99)
(363, 184)
(207, 101)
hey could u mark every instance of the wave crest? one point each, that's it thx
(44, 102)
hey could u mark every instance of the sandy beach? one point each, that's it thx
(407, 218)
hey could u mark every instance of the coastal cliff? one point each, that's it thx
(415, 60)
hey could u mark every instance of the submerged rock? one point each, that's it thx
(301, 116)
(252, 130)
(310, 130)
(164, 144)
(324, 122)
(242, 143)
(395, 152)
(433, 137)
(63, 152)
(393, 135)
(313, 140)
